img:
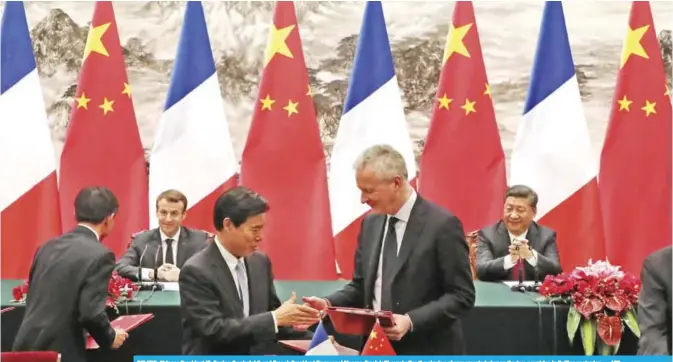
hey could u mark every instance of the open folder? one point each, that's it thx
(125, 322)
(5, 310)
(357, 321)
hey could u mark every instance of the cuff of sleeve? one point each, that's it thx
(411, 323)
(275, 322)
(508, 263)
(329, 304)
(532, 260)
(146, 274)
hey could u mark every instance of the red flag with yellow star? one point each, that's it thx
(102, 146)
(378, 344)
(283, 159)
(462, 167)
(635, 171)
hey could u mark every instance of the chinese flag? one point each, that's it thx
(102, 146)
(378, 344)
(635, 170)
(283, 159)
(463, 164)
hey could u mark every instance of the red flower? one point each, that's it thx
(589, 306)
(610, 330)
(17, 293)
(617, 302)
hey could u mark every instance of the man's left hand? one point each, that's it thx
(401, 327)
(524, 250)
(173, 274)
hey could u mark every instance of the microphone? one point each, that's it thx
(156, 262)
(536, 275)
(522, 269)
(140, 264)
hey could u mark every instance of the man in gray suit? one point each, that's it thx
(654, 304)
(516, 244)
(227, 296)
(166, 248)
(411, 259)
(68, 284)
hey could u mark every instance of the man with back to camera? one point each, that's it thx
(517, 244)
(654, 304)
(171, 244)
(412, 259)
(228, 300)
(68, 284)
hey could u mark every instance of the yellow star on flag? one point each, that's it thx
(372, 335)
(83, 101)
(444, 102)
(649, 108)
(624, 104)
(127, 89)
(291, 107)
(94, 42)
(487, 92)
(107, 106)
(632, 44)
(267, 102)
(277, 43)
(468, 106)
(454, 42)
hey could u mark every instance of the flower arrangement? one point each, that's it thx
(602, 299)
(119, 289)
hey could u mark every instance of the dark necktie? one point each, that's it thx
(389, 264)
(169, 252)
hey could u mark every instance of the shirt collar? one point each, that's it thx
(92, 230)
(175, 238)
(519, 237)
(404, 212)
(229, 258)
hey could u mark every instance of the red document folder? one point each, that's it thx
(301, 346)
(358, 321)
(125, 322)
(4, 310)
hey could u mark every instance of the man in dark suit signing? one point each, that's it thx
(165, 248)
(654, 304)
(68, 284)
(228, 299)
(411, 259)
(516, 244)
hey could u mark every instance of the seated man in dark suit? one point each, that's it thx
(68, 284)
(654, 304)
(228, 299)
(516, 244)
(166, 247)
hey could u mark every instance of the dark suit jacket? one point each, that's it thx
(213, 322)
(67, 290)
(492, 249)
(433, 283)
(654, 305)
(190, 242)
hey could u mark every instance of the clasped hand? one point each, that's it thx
(520, 250)
(292, 314)
(168, 273)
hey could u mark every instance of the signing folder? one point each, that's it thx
(357, 321)
(125, 322)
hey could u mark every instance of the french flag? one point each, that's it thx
(552, 152)
(192, 151)
(373, 114)
(29, 202)
(321, 345)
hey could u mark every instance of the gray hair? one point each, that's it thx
(384, 161)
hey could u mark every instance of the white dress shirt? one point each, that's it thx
(400, 227)
(532, 260)
(232, 261)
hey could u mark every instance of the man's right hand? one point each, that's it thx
(290, 313)
(315, 303)
(120, 337)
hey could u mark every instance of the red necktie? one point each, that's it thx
(518, 268)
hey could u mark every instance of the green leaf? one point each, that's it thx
(574, 318)
(604, 349)
(630, 320)
(588, 331)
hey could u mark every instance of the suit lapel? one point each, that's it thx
(411, 233)
(223, 273)
(503, 239)
(254, 271)
(533, 236)
(183, 245)
(376, 237)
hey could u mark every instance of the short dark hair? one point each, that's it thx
(238, 204)
(94, 204)
(173, 196)
(523, 191)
